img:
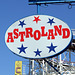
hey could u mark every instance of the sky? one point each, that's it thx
(13, 10)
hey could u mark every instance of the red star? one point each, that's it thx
(36, 19)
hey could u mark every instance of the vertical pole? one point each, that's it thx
(38, 9)
(46, 68)
(70, 59)
(32, 67)
(24, 69)
(53, 61)
(43, 67)
(39, 68)
(57, 58)
(60, 63)
(29, 66)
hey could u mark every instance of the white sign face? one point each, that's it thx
(38, 36)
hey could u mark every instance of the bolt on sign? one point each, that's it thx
(18, 68)
(38, 36)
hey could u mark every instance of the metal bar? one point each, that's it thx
(38, 9)
(50, 2)
(32, 67)
(60, 63)
(29, 66)
(52, 66)
(70, 57)
(43, 67)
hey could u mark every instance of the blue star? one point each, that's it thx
(51, 21)
(22, 49)
(51, 48)
(22, 23)
(37, 52)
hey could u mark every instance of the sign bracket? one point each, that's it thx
(70, 5)
(52, 66)
(38, 9)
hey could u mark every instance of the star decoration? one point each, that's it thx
(51, 21)
(22, 23)
(37, 52)
(22, 49)
(52, 48)
(36, 19)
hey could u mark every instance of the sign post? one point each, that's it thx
(38, 9)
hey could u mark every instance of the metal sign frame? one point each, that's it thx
(35, 2)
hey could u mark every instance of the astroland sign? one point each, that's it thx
(38, 36)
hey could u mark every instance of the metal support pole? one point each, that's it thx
(24, 69)
(70, 57)
(43, 66)
(39, 69)
(46, 68)
(32, 67)
(52, 66)
(38, 9)
(60, 64)
(29, 66)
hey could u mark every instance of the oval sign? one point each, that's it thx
(38, 36)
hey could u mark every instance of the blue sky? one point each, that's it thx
(13, 10)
